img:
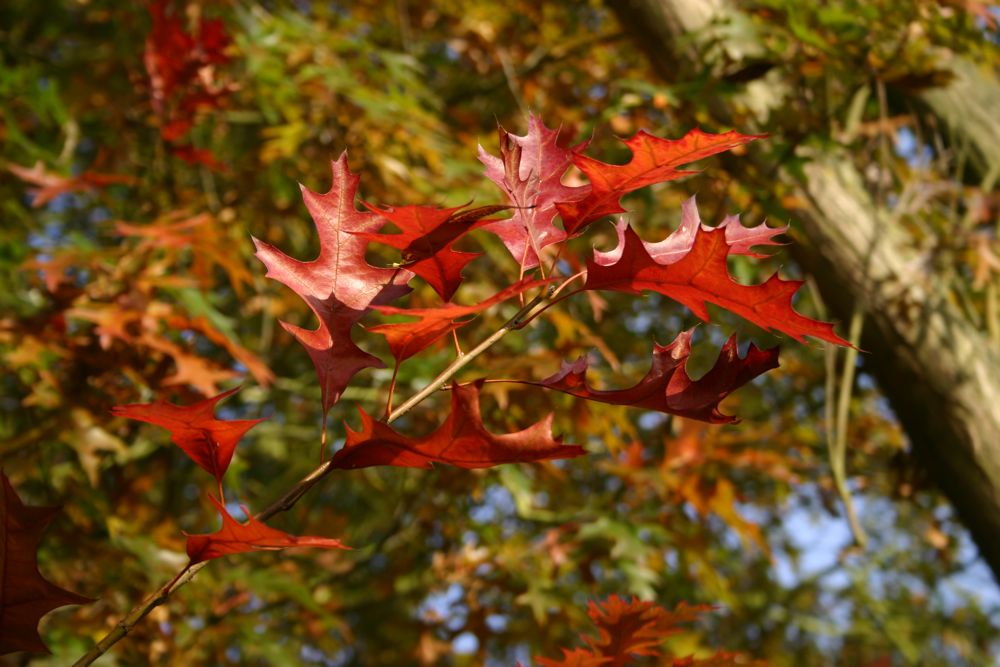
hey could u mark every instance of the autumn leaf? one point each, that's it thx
(235, 537)
(529, 171)
(25, 595)
(254, 364)
(339, 285)
(667, 387)
(50, 185)
(627, 628)
(740, 239)
(462, 440)
(198, 156)
(654, 160)
(178, 65)
(167, 54)
(700, 276)
(409, 338)
(202, 236)
(210, 442)
(426, 237)
(578, 657)
(190, 369)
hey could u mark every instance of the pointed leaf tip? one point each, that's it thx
(210, 442)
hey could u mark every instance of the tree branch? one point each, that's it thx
(287, 501)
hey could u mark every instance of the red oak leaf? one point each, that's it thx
(426, 238)
(667, 387)
(626, 628)
(654, 160)
(168, 54)
(235, 537)
(462, 440)
(201, 156)
(25, 595)
(409, 338)
(210, 442)
(701, 277)
(183, 78)
(339, 285)
(530, 170)
(578, 657)
(741, 240)
(180, 66)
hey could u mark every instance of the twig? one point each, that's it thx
(838, 452)
(553, 300)
(138, 613)
(510, 74)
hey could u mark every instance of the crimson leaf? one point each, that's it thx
(462, 440)
(339, 285)
(667, 387)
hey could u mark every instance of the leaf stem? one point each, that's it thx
(392, 390)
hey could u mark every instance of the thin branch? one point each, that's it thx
(551, 302)
(511, 77)
(836, 412)
(839, 451)
(138, 613)
(563, 284)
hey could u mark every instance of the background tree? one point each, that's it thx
(927, 301)
(139, 165)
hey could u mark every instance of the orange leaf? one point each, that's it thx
(654, 160)
(209, 442)
(235, 537)
(426, 237)
(409, 338)
(701, 277)
(626, 628)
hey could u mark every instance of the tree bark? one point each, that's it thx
(940, 373)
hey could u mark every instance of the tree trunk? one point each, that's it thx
(940, 373)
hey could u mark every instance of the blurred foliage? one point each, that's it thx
(127, 272)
